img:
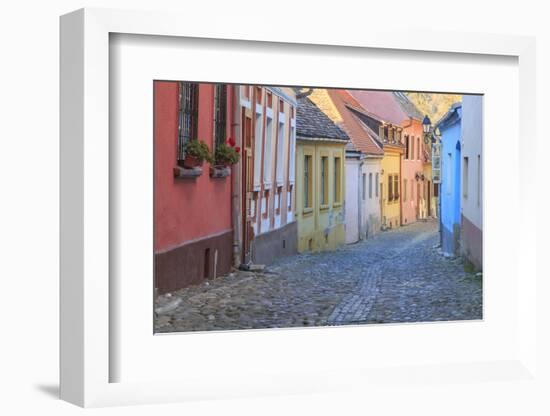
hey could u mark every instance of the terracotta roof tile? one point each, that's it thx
(363, 138)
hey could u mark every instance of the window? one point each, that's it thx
(308, 181)
(412, 191)
(465, 178)
(246, 92)
(267, 150)
(337, 180)
(478, 180)
(292, 158)
(324, 180)
(391, 137)
(278, 198)
(364, 186)
(265, 204)
(377, 184)
(395, 187)
(269, 100)
(418, 148)
(258, 95)
(257, 149)
(406, 147)
(390, 188)
(280, 152)
(220, 113)
(370, 185)
(188, 115)
(412, 148)
(290, 197)
(404, 190)
(381, 132)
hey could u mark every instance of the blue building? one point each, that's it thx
(450, 198)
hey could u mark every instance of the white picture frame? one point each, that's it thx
(87, 292)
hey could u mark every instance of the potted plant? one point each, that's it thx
(196, 152)
(227, 153)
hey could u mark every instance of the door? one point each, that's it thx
(429, 199)
(418, 200)
(249, 207)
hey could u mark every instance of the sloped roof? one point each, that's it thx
(312, 123)
(363, 138)
(382, 104)
(450, 117)
(408, 106)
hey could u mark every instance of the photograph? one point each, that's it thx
(297, 206)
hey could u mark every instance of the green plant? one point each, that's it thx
(226, 154)
(199, 150)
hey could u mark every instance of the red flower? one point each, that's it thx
(231, 141)
(237, 149)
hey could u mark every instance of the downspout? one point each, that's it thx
(400, 190)
(360, 196)
(400, 176)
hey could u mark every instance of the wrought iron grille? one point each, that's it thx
(220, 113)
(187, 115)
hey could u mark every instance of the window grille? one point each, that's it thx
(220, 113)
(187, 115)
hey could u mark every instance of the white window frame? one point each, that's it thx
(258, 141)
(268, 148)
(281, 142)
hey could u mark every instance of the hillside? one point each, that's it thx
(435, 105)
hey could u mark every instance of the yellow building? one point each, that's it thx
(320, 179)
(390, 183)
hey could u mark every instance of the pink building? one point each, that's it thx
(192, 207)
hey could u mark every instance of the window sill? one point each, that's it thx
(337, 204)
(307, 211)
(187, 173)
(219, 171)
(324, 207)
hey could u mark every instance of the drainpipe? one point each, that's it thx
(400, 190)
(360, 197)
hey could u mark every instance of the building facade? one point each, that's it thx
(472, 180)
(364, 153)
(400, 127)
(320, 179)
(193, 236)
(266, 225)
(450, 187)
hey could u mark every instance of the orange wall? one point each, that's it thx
(408, 170)
(186, 209)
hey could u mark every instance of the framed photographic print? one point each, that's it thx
(280, 214)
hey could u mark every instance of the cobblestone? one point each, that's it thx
(397, 276)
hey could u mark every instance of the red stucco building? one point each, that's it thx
(193, 222)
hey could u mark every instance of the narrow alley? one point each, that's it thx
(398, 276)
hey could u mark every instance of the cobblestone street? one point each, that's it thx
(397, 276)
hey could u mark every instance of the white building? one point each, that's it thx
(364, 153)
(472, 179)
